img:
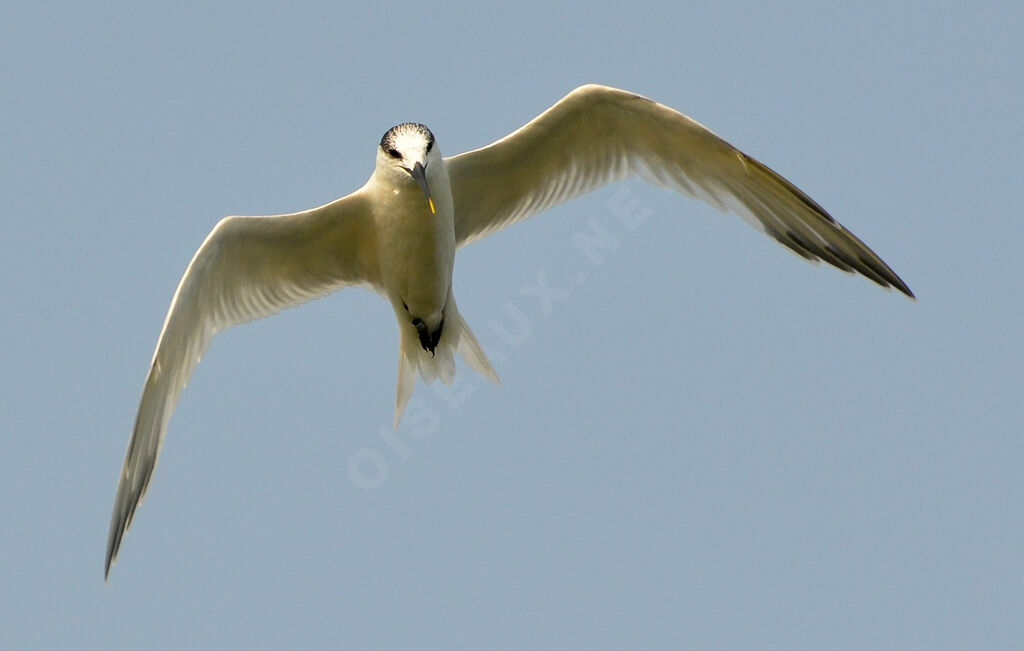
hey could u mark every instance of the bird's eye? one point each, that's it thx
(394, 153)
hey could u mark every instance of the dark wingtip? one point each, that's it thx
(902, 286)
(106, 567)
(898, 283)
(120, 520)
(883, 271)
(865, 262)
(112, 547)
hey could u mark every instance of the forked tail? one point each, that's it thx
(455, 338)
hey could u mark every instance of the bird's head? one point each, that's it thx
(406, 152)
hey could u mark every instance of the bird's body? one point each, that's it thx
(398, 235)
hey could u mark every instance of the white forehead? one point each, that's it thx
(408, 138)
(409, 141)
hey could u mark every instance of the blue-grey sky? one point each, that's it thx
(701, 442)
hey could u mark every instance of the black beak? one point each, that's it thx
(419, 173)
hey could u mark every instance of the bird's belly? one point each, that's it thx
(422, 280)
(416, 265)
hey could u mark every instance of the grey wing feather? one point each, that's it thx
(597, 135)
(247, 268)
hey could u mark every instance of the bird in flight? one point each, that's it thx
(398, 235)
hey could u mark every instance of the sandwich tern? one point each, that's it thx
(399, 232)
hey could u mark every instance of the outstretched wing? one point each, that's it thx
(596, 135)
(248, 267)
